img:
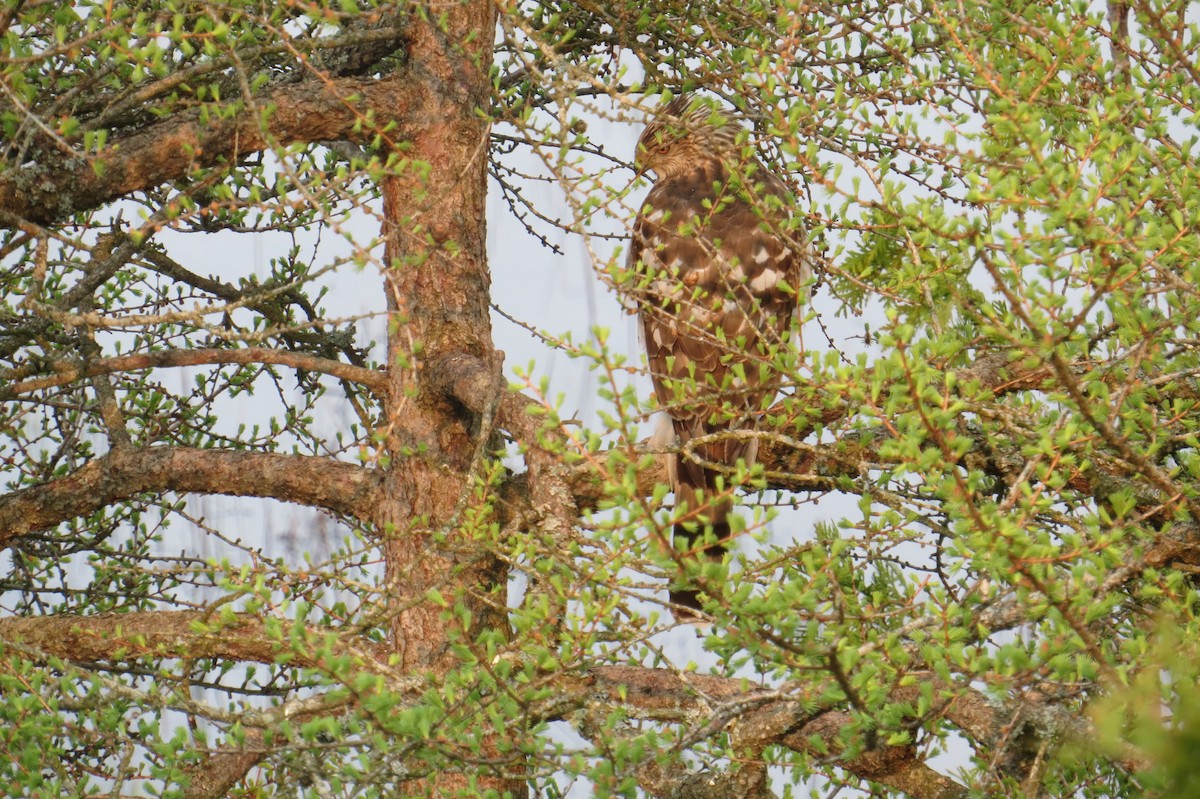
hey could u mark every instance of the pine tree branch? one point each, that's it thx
(306, 480)
(313, 110)
(69, 371)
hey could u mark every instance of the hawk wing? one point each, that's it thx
(717, 285)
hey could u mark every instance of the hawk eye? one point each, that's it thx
(663, 147)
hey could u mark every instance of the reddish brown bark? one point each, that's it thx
(438, 294)
(171, 149)
(215, 775)
(66, 373)
(438, 288)
(753, 716)
(169, 634)
(121, 475)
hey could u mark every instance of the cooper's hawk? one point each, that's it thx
(718, 269)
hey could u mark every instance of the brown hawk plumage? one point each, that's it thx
(718, 269)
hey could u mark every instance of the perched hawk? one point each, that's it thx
(717, 269)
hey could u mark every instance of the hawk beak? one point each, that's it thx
(640, 167)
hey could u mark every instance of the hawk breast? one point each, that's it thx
(717, 284)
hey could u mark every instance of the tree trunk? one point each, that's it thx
(434, 206)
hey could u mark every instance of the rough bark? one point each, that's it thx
(310, 111)
(123, 474)
(215, 775)
(462, 387)
(440, 393)
(70, 371)
(704, 705)
(171, 634)
(438, 288)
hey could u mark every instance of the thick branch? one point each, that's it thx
(306, 480)
(70, 372)
(544, 493)
(644, 692)
(754, 717)
(763, 716)
(311, 111)
(788, 463)
(898, 767)
(167, 634)
(217, 774)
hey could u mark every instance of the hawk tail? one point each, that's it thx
(704, 530)
(705, 533)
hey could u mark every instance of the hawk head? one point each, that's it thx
(683, 134)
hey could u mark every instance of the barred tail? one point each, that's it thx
(704, 533)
